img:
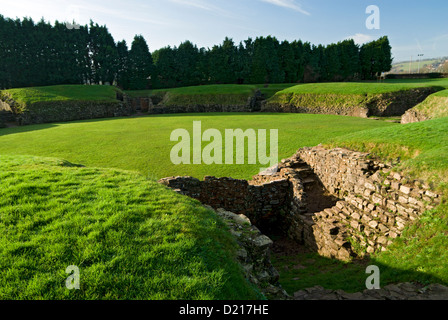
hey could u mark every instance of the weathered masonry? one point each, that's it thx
(337, 202)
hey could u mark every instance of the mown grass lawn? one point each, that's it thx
(131, 238)
(143, 144)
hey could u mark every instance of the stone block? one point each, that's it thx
(403, 200)
(431, 194)
(405, 189)
(395, 185)
(383, 228)
(354, 224)
(391, 206)
(373, 224)
(370, 186)
(355, 215)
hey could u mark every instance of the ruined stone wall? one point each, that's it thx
(265, 204)
(376, 205)
(6, 114)
(254, 254)
(367, 205)
(380, 105)
(350, 111)
(60, 111)
(156, 105)
(412, 116)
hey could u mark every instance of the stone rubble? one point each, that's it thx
(254, 254)
(402, 291)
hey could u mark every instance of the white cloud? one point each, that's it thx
(290, 4)
(360, 38)
(204, 5)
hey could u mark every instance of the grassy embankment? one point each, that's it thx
(130, 237)
(25, 97)
(227, 94)
(435, 106)
(63, 103)
(353, 95)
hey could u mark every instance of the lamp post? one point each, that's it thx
(420, 55)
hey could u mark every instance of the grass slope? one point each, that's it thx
(27, 96)
(435, 106)
(223, 94)
(200, 95)
(130, 237)
(356, 88)
(352, 98)
(143, 144)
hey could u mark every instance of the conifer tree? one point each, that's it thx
(141, 65)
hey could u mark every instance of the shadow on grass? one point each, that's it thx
(306, 269)
(22, 129)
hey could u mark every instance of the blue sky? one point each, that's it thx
(413, 27)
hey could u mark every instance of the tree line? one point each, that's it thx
(39, 54)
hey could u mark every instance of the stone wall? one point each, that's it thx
(6, 114)
(397, 103)
(380, 105)
(254, 254)
(412, 116)
(309, 106)
(156, 105)
(138, 104)
(264, 204)
(60, 111)
(337, 202)
(376, 203)
(356, 111)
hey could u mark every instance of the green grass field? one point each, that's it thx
(143, 144)
(405, 67)
(435, 106)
